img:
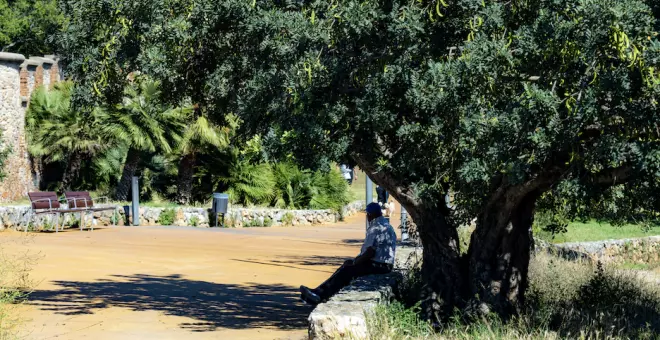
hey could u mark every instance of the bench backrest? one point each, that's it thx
(79, 199)
(44, 200)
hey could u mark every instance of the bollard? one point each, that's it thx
(404, 227)
(136, 201)
(369, 193)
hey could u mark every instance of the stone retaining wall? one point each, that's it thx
(639, 250)
(17, 216)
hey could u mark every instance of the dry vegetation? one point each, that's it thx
(15, 285)
(574, 300)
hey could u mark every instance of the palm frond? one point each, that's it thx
(143, 121)
(201, 133)
(249, 183)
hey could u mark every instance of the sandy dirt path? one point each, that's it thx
(179, 283)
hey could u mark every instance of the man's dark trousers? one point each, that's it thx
(347, 273)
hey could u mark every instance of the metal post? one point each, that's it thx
(369, 193)
(136, 201)
(370, 190)
(404, 227)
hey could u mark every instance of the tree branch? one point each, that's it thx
(612, 176)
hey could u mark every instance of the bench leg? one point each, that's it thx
(57, 224)
(82, 220)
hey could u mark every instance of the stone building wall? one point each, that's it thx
(18, 79)
(39, 76)
(18, 179)
(24, 81)
(31, 70)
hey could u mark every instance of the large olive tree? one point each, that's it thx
(504, 103)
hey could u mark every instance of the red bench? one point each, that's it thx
(46, 202)
(82, 201)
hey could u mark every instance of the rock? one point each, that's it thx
(345, 314)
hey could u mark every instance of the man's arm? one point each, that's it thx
(366, 256)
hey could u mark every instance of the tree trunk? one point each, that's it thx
(186, 172)
(72, 170)
(443, 270)
(499, 256)
(130, 167)
(37, 169)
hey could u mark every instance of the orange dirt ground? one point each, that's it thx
(178, 282)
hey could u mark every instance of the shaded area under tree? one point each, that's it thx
(210, 305)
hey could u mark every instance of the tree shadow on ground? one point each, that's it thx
(295, 262)
(211, 305)
(314, 260)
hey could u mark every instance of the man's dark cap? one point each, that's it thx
(374, 209)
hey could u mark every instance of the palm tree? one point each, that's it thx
(247, 183)
(145, 124)
(56, 132)
(196, 137)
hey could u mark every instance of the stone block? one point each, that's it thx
(345, 314)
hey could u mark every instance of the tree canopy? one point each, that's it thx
(28, 26)
(509, 105)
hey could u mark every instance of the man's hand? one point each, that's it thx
(365, 257)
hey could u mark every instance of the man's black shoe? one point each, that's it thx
(309, 296)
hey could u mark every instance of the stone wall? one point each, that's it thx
(16, 217)
(18, 179)
(18, 79)
(639, 250)
(241, 217)
(344, 316)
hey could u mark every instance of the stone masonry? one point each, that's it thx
(637, 250)
(16, 217)
(345, 315)
(18, 79)
(12, 120)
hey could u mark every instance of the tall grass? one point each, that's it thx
(15, 286)
(572, 300)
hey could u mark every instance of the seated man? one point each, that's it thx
(376, 257)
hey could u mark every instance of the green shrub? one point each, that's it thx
(166, 217)
(395, 321)
(287, 219)
(330, 191)
(194, 221)
(268, 222)
(114, 218)
(247, 183)
(293, 186)
(255, 223)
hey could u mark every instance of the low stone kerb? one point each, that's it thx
(345, 314)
